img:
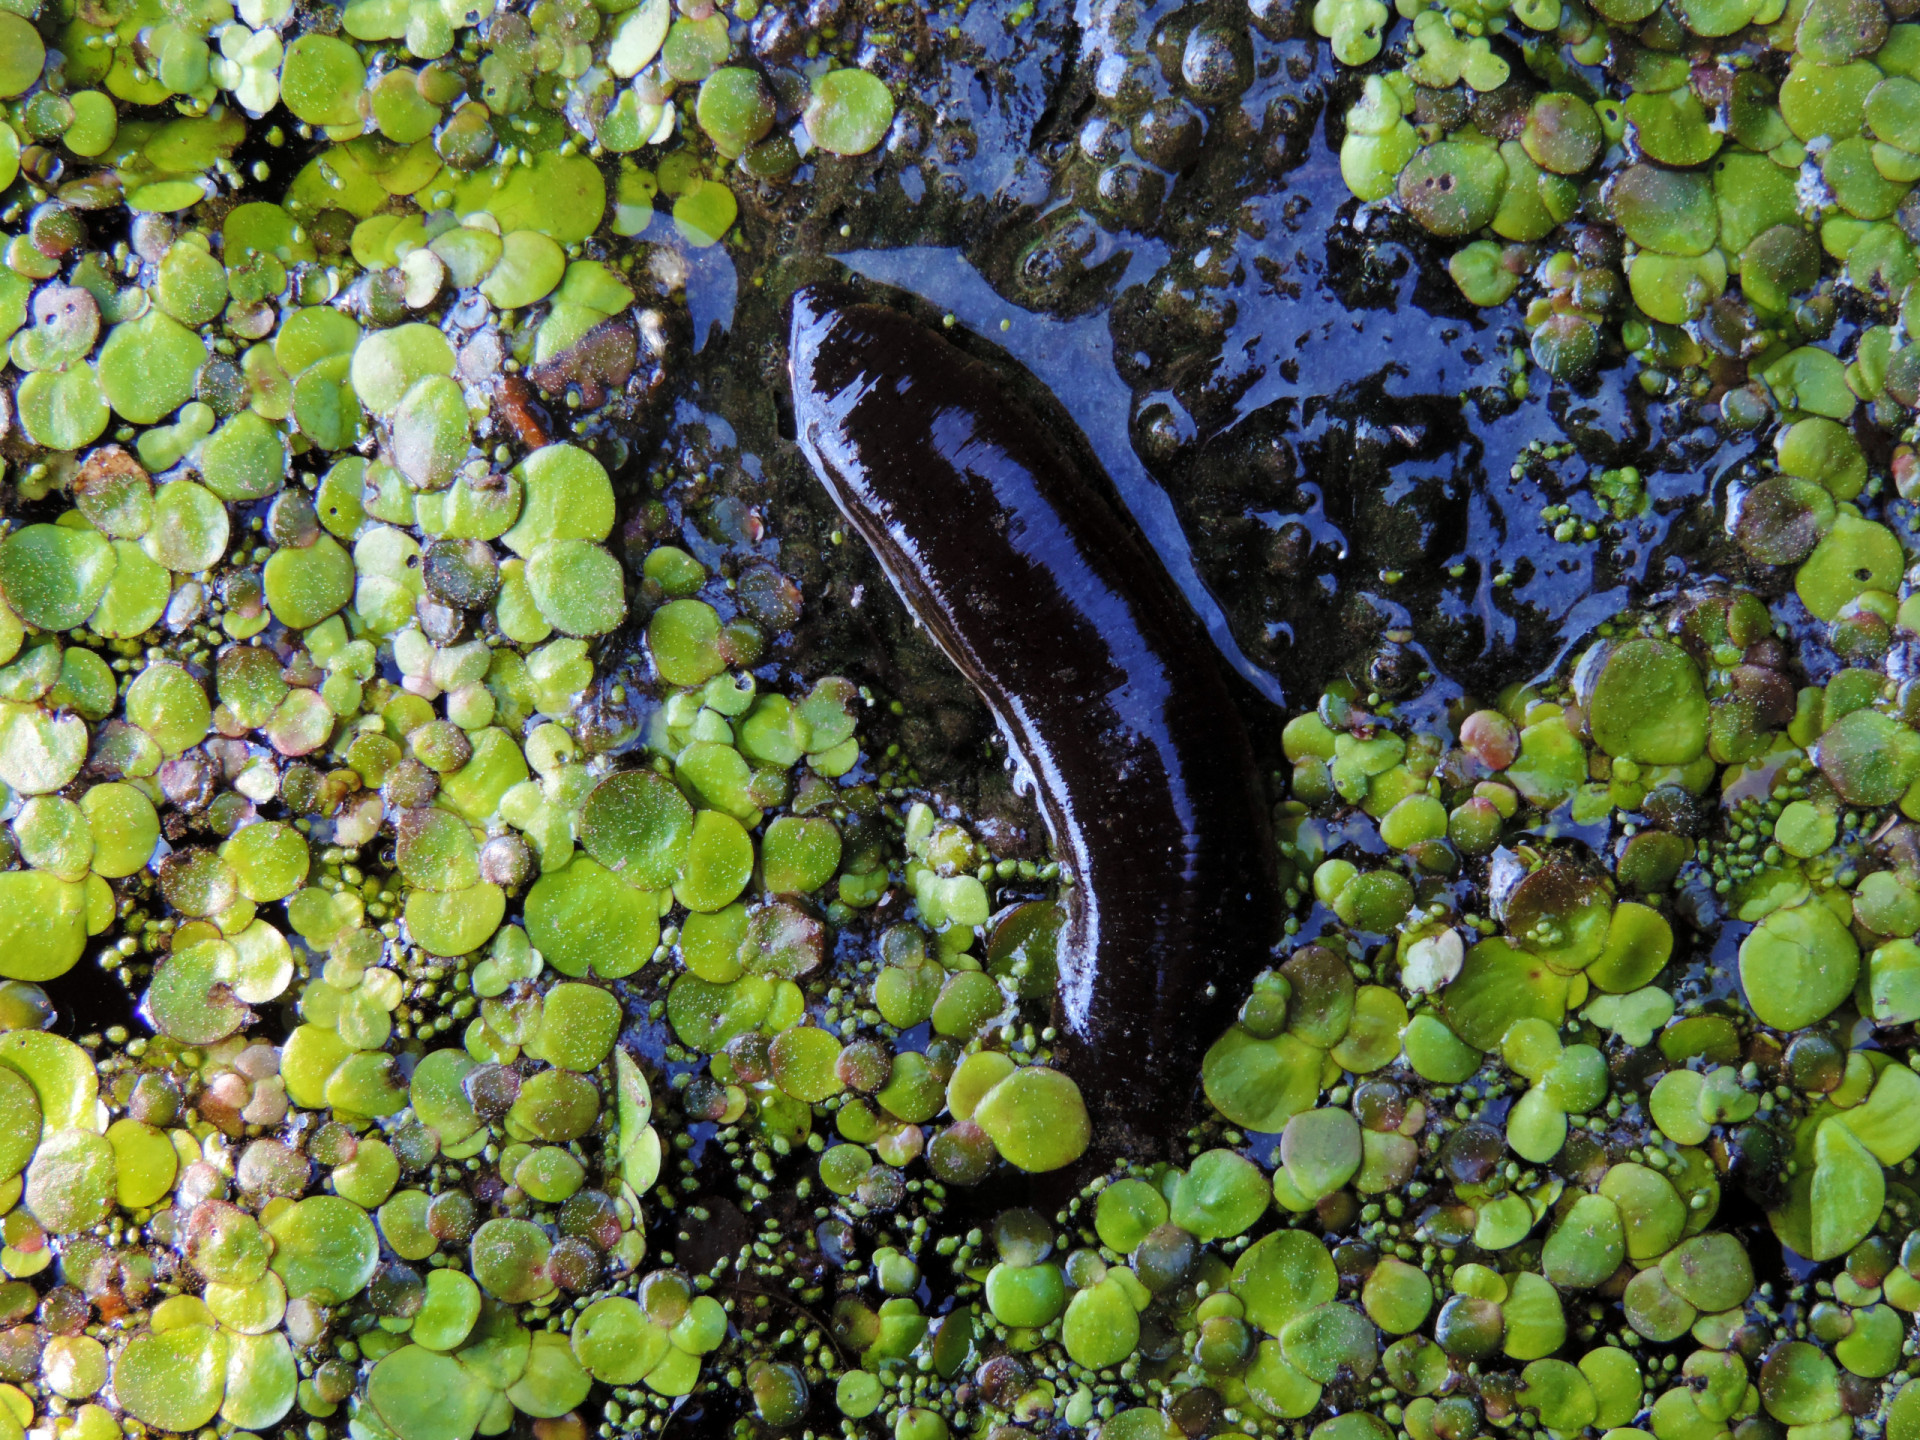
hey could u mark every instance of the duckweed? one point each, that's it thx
(848, 112)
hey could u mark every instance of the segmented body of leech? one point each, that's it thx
(1107, 690)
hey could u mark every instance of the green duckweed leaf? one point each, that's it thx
(62, 409)
(423, 1395)
(1797, 965)
(1849, 1191)
(54, 575)
(1036, 1119)
(173, 1379)
(325, 1247)
(1283, 1275)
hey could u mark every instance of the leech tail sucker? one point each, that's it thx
(1108, 691)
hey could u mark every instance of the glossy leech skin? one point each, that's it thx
(1106, 689)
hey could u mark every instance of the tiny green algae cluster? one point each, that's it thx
(1556, 1137)
(1668, 180)
(388, 1157)
(461, 137)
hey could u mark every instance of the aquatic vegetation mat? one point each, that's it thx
(494, 935)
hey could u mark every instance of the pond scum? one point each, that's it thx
(517, 1047)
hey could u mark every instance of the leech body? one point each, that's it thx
(1098, 673)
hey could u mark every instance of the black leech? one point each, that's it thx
(1106, 688)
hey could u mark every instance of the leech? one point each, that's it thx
(1100, 677)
